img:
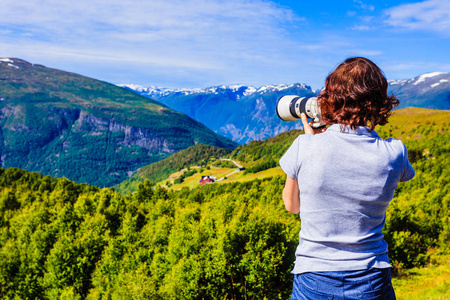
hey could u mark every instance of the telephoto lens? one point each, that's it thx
(290, 107)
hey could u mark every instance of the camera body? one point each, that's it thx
(290, 107)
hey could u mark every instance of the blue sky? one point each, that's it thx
(202, 43)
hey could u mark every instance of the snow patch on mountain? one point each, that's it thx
(422, 77)
(438, 83)
(399, 81)
(249, 91)
(7, 60)
(10, 62)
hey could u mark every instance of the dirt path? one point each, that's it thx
(235, 171)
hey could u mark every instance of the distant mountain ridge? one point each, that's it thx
(240, 90)
(64, 124)
(429, 90)
(241, 113)
(245, 113)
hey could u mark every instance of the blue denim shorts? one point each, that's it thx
(372, 284)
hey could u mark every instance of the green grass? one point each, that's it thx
(240, 177)
(193, 180)
(428, 283)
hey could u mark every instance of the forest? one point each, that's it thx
(64, 240)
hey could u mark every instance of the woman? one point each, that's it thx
(344, 178)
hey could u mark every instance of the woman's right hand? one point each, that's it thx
(307, 126)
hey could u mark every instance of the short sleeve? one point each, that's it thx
(289, 161)
(408, 170)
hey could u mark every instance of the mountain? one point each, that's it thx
(244, 113)
(238, 112)
(65, 124)
(430, 90)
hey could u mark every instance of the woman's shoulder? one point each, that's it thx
(304, 138)
(394, 142)
(396, 145)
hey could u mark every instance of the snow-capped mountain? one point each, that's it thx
(430, 90)
(245, 113)
(430, 77)
(242, 113)
(239, 90)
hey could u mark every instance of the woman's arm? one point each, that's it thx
(291, 195)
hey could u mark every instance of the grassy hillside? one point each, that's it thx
(65, 124)
(422, 130)
(259, 158)
(199, 155)
(429, 282)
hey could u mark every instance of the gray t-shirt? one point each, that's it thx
(346, 181)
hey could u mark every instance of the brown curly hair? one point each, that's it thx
(355, 94)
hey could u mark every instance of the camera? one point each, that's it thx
(290, 107)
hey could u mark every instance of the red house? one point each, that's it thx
(207, 179)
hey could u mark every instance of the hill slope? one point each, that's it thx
(161, 170)
(420, 129)
(65, 124)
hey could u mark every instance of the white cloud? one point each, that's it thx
(180, 34)
(362, 27)
(430, 15)
(183, 43)
(145, 21)
(364, 6)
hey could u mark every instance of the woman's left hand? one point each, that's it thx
(307, 126)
